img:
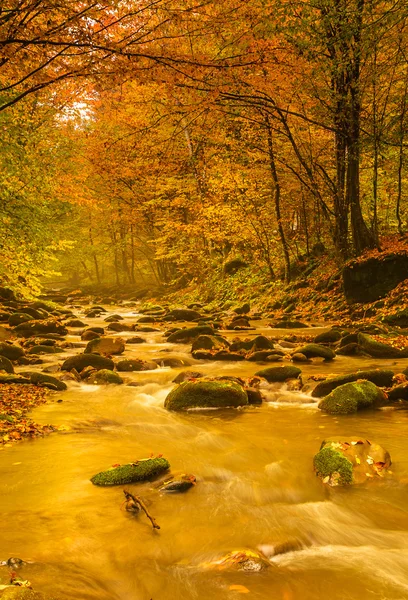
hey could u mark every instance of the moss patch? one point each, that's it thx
(351, 397)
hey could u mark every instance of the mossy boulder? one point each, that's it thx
(352, 397)
(209, 342)
(105, 346)
(80, 361)
(186, 335)
(328, 337)
(11, 351)
(316, 351)
(279, 374)
(44, 380)
(342, 463)
(6, 365)
(378, 349)
(105, 377)
(380, 377)
(206, 393)
(19, 317)
(13, 378)
(140, 470)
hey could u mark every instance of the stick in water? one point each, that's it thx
(139, 502)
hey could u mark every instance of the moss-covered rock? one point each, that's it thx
(13, 378)
(380, 377)
(80, 361)
(11, 351)
(352, 397)
(334, 468)
(378, 349)
(104, 377)
(209, 342)
(186, 335)
(6, 365)
(279, 374)
(113, 318)
(206, 393)
(349, 462)
(316, 351)
(47, 381)
(328, 337)
(397, 319)
(105, 346)
(140, 470)
(19, 317)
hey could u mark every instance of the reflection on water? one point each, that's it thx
(255, 489)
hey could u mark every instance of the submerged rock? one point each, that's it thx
(279, 374)
(140, 470)
(188, 334)
(348, 462)
(248, 561)
(206, 393)
(352, 397)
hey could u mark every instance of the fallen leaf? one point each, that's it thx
(239, 588)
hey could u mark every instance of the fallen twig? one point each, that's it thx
(139, 502)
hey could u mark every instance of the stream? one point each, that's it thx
(255, 489)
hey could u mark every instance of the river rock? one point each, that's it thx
(80, 361)
(37, 313)
(45, 349)
(6, 365)
(316, 351)
(289, 325)
(47, 381)
(140, 470)
(398, 392)
(248, 561)
(75, 323)
(260, 342)
(38, 327)
(19, 317)
(264, 356)
(186, 335)
(279, 374)
(352, 397)
(11, 351)
(182, 314)
(146, 319)
(104, 377)
(299, 357)
(113, 318)
(380, 377)
(378, 349)
(328, 337)
(106, 346)
(136, 340)
(340, 463)
(206, 393)
(135, 364)
(119, 327)
(88, 335)
(13, 378)
(372, 279)
(209, 342)
(187, 375)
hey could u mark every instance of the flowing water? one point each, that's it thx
(255, 488)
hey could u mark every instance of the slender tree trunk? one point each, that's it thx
(95, 260)
(276, 193)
